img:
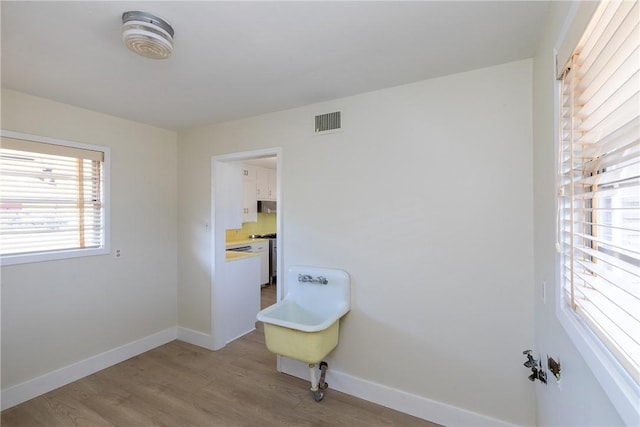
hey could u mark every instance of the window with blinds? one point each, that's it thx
(599, 181)
(51, 200)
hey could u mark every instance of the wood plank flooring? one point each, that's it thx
(179, 384)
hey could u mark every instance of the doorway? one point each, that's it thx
(226, 200)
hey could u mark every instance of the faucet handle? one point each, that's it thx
(531, 362)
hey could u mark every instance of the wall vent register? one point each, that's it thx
(330, 122)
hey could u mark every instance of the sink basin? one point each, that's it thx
(305, 324)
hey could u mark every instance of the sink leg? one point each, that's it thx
(312, 376)
(318, 387)
(322, 385)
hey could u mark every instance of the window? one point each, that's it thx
(52, 199)
(599, 188)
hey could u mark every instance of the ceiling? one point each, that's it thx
(238, 59)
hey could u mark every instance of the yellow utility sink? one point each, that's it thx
(310, 347)
(305, 325)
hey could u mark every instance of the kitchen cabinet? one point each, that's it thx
(242, 296)
(262, 247)
(266, 184)
(249, 203)
(249, 200)
(257, 184)
(254, 246)
(273, 189)
(249, 172)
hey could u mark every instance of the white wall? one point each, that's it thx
(58, 313)
(578, 400)
(426, 200)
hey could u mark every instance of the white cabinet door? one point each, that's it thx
(273, 193)
(262, 183)
(266, 184)
(249, 200)
(249, 173)
(262, 248)
(250, 203)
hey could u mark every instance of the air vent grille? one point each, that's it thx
(328, 122)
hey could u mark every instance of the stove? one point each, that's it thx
(263, 236)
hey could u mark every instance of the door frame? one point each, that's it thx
(218, 238)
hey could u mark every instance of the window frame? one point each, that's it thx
(617, 383)
(14, 259)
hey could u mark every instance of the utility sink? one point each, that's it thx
(305, 324)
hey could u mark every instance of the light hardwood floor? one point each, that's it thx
(179, 384)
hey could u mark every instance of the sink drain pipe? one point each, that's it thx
(318, 387)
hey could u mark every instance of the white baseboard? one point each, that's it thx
(412, 404)
(196, 338)
(19, 393)
(241, 335)
(399, 400)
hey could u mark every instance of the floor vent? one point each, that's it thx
(326, 123)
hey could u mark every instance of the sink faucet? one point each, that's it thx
(308, 278)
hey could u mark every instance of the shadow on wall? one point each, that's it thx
(423, 357)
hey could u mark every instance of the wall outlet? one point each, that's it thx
(117, 254)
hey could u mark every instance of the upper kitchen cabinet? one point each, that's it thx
(258, 183)
(249, 173)
(249, 200)
(266, 184)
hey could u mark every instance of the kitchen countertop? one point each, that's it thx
(235, 256)
(244, 242)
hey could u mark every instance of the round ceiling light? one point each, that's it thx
(147, 35)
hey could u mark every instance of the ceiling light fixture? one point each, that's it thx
(147, 35)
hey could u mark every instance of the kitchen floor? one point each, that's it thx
(267, 296)
(179, 384)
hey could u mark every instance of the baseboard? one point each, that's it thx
(399, 400)
(196, 338)
(412, 404)
(240, 336)
(19, 393)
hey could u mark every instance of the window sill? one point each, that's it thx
(51, 256)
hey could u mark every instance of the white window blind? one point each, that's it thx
(599, 172)
(51, 198)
